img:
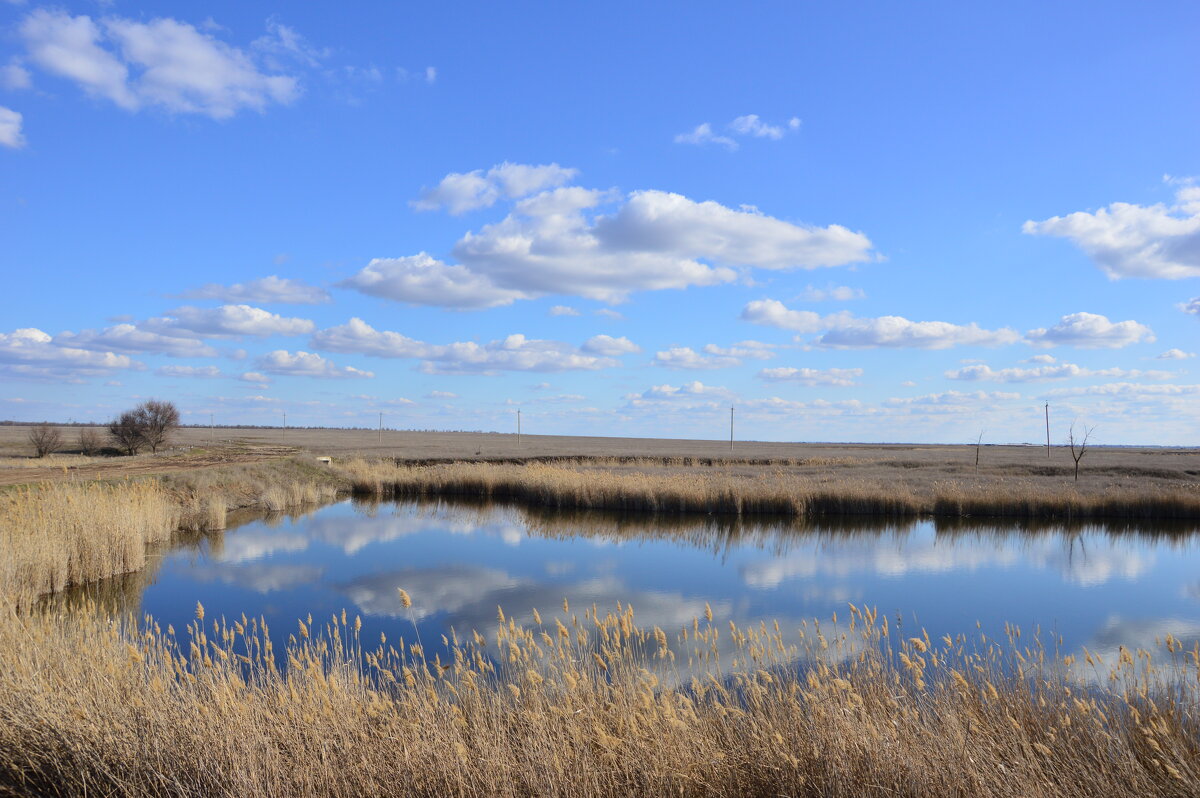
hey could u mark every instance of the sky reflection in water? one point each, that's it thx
(1093, 587)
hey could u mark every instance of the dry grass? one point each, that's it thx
(802, 491)
(51, 461)
(582, 705)
(59, 534)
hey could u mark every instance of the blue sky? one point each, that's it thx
(854, 222)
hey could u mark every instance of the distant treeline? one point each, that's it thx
(6, 423)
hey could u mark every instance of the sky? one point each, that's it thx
(850, 222)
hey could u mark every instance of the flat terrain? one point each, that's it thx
(903, 464)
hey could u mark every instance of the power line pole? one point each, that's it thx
(381, 427)
(1047, 430)
(518, 426)
(731, 428)
(285, 425)
(212, 432)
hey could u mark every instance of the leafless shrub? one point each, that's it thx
(44, 439)
(89, 441)
(1079, 445)
(148, 424)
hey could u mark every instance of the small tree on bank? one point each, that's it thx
(89, 441)
(1079, 445)
(148, 424)
(45, 439)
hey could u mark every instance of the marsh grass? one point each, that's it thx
(584, 704)
(778, 491)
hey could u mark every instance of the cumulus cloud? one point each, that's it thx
(713, 356)
(273, 289)
(1128, 389)
(441, 395)
(424, 280)
(750, 125)
(207, 372)
(841, 293)
(255, 378)
(610, 346)
(10, 128)
(305, 364)
(15, 77)
(1127, 240)
(1192, 306)
(1091, 331)
(954, 398)
(807, 376)
(845, 331)
(31, 352)
(128, 338)
(690, 393)
(1176, 354)
(161, 63)
(1060, 371)
(563, 310)
(226, 321)
(460, 192)
(513, 353)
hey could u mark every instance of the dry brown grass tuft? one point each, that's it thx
(585, 705)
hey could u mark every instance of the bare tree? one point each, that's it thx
(1079, 446)
(978, 444)
(159, 420)
(89, 441)
(126, 432)
(44, 439)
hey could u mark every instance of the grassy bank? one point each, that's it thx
(585, 706)
(55, 535)
(799, 490)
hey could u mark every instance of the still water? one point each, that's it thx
(1091, 585)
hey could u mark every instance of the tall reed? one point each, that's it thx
(585, 704)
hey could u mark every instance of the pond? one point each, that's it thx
(1092, 586)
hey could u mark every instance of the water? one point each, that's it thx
(1092, 586)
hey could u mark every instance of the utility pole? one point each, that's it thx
(285, 425)
(1047, 430)
(518, 426)
(212, 432)
(731, 428)
(381, 427)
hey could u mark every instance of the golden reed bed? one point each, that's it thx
(585, 705)
(775, 490)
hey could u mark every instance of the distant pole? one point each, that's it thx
(381, 427)
(212, 431)
(1047, 430)
(731, 428)
(285, 425)
(518, 426)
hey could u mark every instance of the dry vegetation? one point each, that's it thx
(800, 488)
(585, 706)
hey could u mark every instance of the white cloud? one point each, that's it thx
(226, 321)
(305, 364)
(1091, 331)
(164, 63)
(610, 314)
(10, 128)
(609, 346)
(840, 293)
(654, 241)
(424, 280)
(1128, 389)
(281, 290)
(189, 371)
(713, 356)
(128, 338)
(431, 74)
(441, 395)
(703, 134)
(1061, 371)
(807, 376)
(844, 331)
(693, 393)
(1126, 240)
(1192, 306)
(954, 398)
(750, 125)
(15, 77)
(513, 353)
(31, 352)
(255, 378)
(1176, 354)
(563, 310)
(460, 192)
